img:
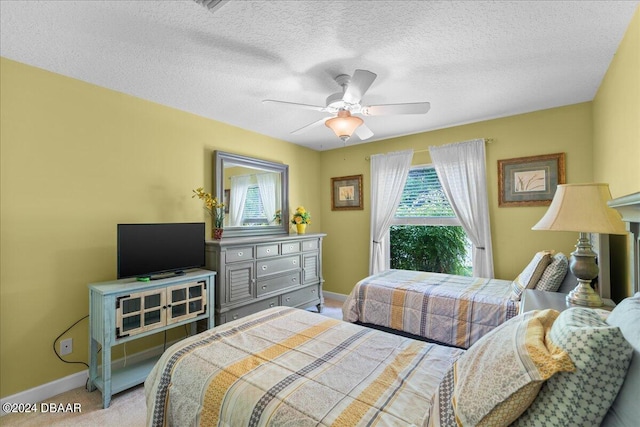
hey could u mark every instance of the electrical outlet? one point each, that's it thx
(66, 346)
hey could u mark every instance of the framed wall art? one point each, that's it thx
(346, 193)
(530, 181)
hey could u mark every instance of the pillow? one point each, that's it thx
(601, 356)
(625, 410)
(499, 376)
(531, 274)
(554, 274)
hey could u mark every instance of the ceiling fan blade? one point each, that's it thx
(212, 5)
(392, 109)
(363, 132)
(310, 126)
(358, 85)
(296, 105)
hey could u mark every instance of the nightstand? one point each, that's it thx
(540, 300)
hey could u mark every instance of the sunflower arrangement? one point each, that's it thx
(301, 216)
(212, 205)
(277, 218)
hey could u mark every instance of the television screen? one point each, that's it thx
(148, 250)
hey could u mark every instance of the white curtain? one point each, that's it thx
(388, 175)
(461, 169)
(267, 184)
(238, 197)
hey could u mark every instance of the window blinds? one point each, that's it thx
(423, 196)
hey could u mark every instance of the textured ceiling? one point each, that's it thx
(472, 61)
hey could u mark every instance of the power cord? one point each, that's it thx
(86, 385)
(60, 336)
(55, 351)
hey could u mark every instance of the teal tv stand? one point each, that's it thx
(125, 310)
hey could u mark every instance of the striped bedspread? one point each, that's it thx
(285, 366)
(454, 310)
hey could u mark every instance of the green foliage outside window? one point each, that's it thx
(438, 249)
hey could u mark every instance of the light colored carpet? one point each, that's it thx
(127, 409)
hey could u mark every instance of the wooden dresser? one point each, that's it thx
(255, 273)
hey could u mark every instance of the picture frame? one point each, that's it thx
(530, 181)
(346, 193)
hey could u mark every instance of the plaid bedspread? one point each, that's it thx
(285, 366)
(455, 310)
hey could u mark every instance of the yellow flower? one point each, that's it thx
(277, 218)
(301, 216)
(213, 206)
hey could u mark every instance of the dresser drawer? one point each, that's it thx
(251, 308)
(310, 245)
(290, 247)
(273, 266)
(239, 254)
(267, 251)
(270, 285)
(295, 298)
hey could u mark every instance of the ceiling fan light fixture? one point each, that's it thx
(344, 124)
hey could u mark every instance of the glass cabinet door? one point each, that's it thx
(139, 312)
(186, 301)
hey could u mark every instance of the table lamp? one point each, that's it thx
(582, 208)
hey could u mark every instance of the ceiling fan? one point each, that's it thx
(343, 105)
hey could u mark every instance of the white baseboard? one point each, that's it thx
(333, 295)
(46, 391)
(62, 385)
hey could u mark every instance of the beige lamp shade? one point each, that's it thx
(582, 208)
(344, 125)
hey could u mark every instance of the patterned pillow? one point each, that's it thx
(500, 375)
(554, 274)
(531, 274)
(625, 410)
(601, 356)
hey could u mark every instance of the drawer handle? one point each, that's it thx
(235, 316)
(268, 251)
(273, 304)
(264, 286)
(313, 291)
(294, 280)
(264, 267)
(288, 298)
(295, 262)
(240, 253)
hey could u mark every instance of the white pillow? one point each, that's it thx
(531, 274)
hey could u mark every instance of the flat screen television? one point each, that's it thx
(152, 251)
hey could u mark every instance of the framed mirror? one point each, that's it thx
(255, 193)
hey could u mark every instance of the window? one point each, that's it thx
(426, 234)
(423, 200)
(253, 210)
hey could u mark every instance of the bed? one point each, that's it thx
(286, 366)
(444, 308)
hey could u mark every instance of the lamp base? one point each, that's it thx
(583, 265)
(584, 295)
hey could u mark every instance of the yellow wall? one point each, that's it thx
(77, 159)
(616, 118)
(566, 129)
(616, 136)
